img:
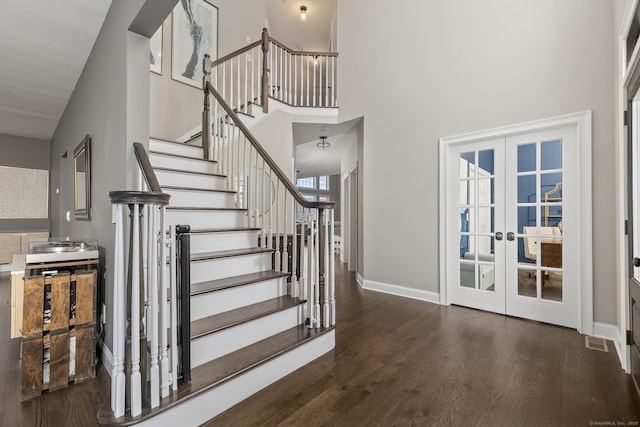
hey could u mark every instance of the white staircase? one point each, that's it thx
(246, 329)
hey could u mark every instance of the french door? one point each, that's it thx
(512, 222)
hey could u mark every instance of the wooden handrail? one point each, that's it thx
(147, 169)
(301, 52)
(267, 158)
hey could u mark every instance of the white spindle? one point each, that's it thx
(272, 202)
(294, 256)
(285, 237)
(239, 89)
(333, 81)
(316, 267)
(152, 286)
(332, 272)
(224, 80)
(136, 379)
(278, 265)
(174, 310)
(325, 103)
(311, 277)
(164, 312)
(295, 80)
(307, 85)
(325, 225)
(314, 81)
(119, 287)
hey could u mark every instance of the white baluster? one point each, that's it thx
(316, 267)
(278, 265)
(325, 224)
(239, 89)
(285, 237)
(174, 311)
(294, 256)
(308, 74)
(152, 287)
(333, 81)
(314, 82)
(311, 272)
(118, 379)
(326, 85)
(136, 386)
(164, 312)
(332, 271)
(272, 203)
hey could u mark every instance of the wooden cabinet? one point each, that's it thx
(58, 331)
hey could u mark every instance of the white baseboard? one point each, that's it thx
(612, 333)
(5, 268)
(402, 291)
(360, 280)
(107, 359)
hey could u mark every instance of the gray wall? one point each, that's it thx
(450, 67)
(28, 153)
(177, 107)
(110, 102)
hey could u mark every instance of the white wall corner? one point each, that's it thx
(402, 291)
(107, 359)
(360, 280)
(612, 333)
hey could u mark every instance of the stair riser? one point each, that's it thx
(207, 219)
(201, 199)
(204, 182)
(173, 148)
(221, 241)
(200, 409)
(231, 339)
(193, 165)
(229, 299)
(202, 271)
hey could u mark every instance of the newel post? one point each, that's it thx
(207, 149)
(265, 71)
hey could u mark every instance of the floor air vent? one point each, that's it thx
(598, 344)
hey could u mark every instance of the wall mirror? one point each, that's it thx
(82, 179)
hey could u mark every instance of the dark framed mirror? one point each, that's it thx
(82, 179)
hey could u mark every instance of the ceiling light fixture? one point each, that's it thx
(323, 144)
(303, 13)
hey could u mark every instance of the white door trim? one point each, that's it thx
(581, 123)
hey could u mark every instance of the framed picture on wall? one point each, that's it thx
(155, 55)
(195, 32)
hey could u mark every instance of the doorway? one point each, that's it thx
(512, 228)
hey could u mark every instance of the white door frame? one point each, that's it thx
(581, 123)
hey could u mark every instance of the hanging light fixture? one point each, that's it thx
(303, 13)
(323, 144)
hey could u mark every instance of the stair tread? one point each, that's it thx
(181, 156)
(232, 282)
(218, 322)
(158, 168)
(223, 230)
(205, 190)
(228, 253)
(215, 372)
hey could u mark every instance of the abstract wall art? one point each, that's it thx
(155, 54)
(195, 33)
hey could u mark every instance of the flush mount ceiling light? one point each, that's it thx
(303, 13)
(323, 144)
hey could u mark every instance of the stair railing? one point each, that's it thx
(267, 69)
(275, 206)
(145, 309)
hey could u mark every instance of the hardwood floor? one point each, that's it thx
(404, 362)
(397, 362)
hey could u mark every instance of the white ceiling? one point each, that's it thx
(44, 45)
(313, 162)
(313, 34)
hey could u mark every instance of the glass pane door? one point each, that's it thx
(537, 200)
(477, 211)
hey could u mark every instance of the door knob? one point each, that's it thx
(636, 262)
(510, 236)
(498, 235)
